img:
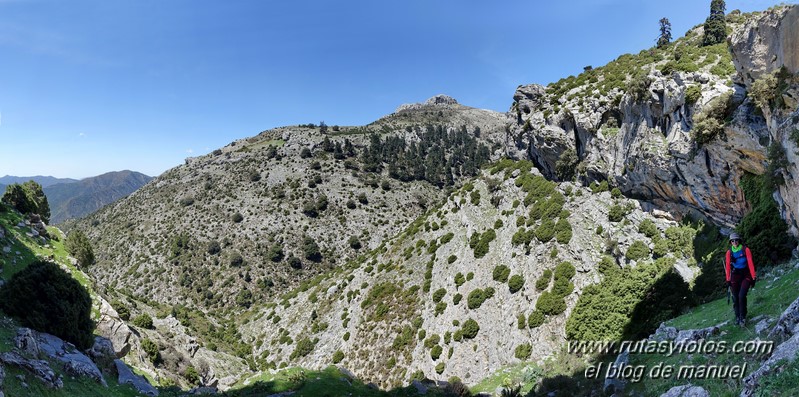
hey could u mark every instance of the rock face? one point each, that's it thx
(75, 363)
(126, 376)
(644, 142)
(39, 368)
(766, 43)
(112, 327)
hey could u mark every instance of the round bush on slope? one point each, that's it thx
(47, 299)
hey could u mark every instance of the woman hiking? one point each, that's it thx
(741, 275)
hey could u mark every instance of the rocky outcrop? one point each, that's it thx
(75, 363)
(127, 377)
(686, 391)
(112, 327)
(38, 368)
(785, 352)
(438, 100)
(766, 43)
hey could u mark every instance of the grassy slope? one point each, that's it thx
(773, 294)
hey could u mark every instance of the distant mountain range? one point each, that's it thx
(45, 181)
(80, 198)
(72, 198)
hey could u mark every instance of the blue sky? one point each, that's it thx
(88, 87)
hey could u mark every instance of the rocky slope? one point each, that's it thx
(350, 248)
(644, 139)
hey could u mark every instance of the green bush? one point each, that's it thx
(78, 245)
(237, 217)
(550, 304)
(523, 351)
(515, 283)
(763, 229)
(435, 352)
(440, 368)
(47, 299)
(521, 321)
(562, 287)
(565, 270)
(536, 319)
(338, 356)
(310, 249)
(151, 349)
(478, 296)
(457, 299)
(470, 329)
(501, 273)
(459, 279)
(563, 231)
(27, 198)
(616, 213)
(648, 228)
(481, 248)
(692, 94)
(709, 122)
(121, 309)
(143, 321)
(545, 231)
(303, 348)
(439, 294)
(543, 281)
(637, 251)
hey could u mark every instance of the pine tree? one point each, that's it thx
(715, 24)
(665, 33)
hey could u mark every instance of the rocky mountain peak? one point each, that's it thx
(438, 100)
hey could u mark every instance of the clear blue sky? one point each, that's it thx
(88, 87)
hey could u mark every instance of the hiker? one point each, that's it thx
(741, 275)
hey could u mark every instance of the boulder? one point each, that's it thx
(75, 363)
(784, 354)
(203, 390)
(78, 367)
(419, 386)
(786, 324)
(615, 385)
(690, 335)
(103, 354)
(113, 328)
(126, 376)
(686, 391)
(26, 342)
(38, 368)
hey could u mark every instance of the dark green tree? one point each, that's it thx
(28, 198)
(78, 245)
(715, 24)
(665, 33)
(47, 299)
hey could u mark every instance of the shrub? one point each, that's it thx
(521, 321)
(439, 294)
(191, 375)
(440, 368)
(545, 231)
(338, 356)
(692, 94)
(523, 351)
(354, 243)
(121, 309)
(275, 253)
(47, 299)
(452, 258)
(303, 348)
(562, 287)
(151, 349)
(709, 122)
(459, 279)
(237, 217)
(477, 297)
(305, 153)
(501, 273)
(565, 270)
(457, 299)
(213, 247)
(563, 231)
(516, 283)
(648, 228)
(244, 298)
(566, 164)
(536, 319)
(470, 329)
(310, 249)
(481, 248)
(435, 352)
(550, 304)
(543, 281)
(78, 245)
(616, 213)
(637, 251)
(143, 321)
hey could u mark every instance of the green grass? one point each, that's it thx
(509, 376)
(328, 382)
(772, 295)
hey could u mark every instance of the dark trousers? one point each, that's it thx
(739, 286)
